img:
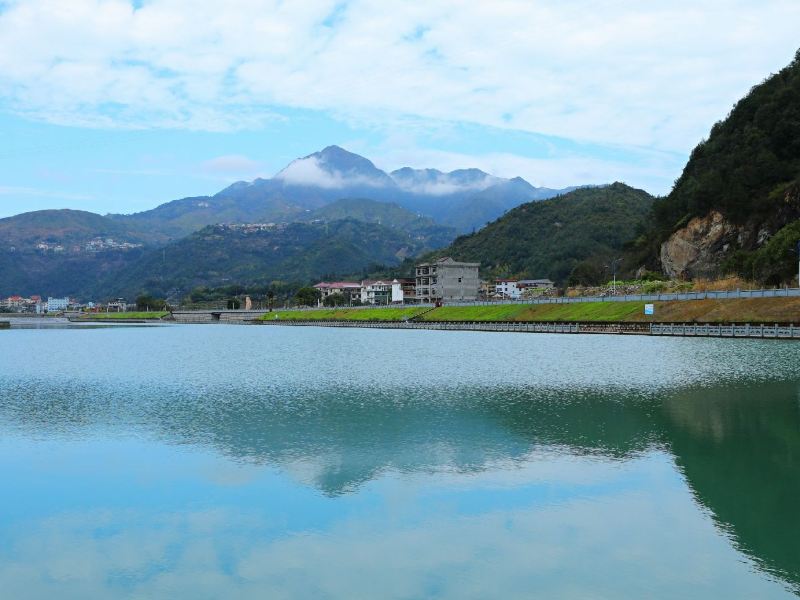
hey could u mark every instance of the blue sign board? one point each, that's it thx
(649, 309)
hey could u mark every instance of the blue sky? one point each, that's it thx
(113, 106)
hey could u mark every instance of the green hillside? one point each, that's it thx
(748, 170)
(44, 252)
(65, 227)
(551, 238)
(297, 252)
(428, 234)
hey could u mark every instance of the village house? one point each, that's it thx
(348, 289)
(408, 287)
(507, 289)
(447, 280)
(382, 292)
(118, 305)
(533, 287)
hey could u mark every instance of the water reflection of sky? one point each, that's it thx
(157, 521)
(171, 476)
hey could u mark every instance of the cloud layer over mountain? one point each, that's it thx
(649, 74)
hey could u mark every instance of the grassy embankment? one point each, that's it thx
(750, 310)
(347, 314)
(124, 315)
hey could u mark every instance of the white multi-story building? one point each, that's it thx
(381, 292)
(507, 289)
(57, 304)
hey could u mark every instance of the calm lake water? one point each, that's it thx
(292, 462)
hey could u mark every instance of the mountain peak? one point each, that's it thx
(334, 167)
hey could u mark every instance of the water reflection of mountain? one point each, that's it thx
(739, 448)
(740, 452)
(350, 436)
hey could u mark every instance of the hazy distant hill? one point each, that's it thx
(65, 227)
(552, 237)
(64, 252)
(296, 252)
(464, 199)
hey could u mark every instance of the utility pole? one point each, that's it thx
(613, 267)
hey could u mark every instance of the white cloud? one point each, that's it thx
(310, 171)
(307, 171)
(654, 75)
(441, 184)
(651, 171)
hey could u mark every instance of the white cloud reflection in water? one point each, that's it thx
(556, 526)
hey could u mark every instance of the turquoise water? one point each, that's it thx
(282, 462)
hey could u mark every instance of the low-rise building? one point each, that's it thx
(385, 291)
(447, 280)
(537, 284)
(14, 302)
(348, 289)
(530, 288)
(118, 305)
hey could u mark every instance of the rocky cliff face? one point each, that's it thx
(698, 249)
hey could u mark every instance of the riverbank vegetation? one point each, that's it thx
(751, 310)
(349, 314)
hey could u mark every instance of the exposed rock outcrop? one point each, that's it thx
(698, 249)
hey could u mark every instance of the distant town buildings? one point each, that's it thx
(446, 280)
(251, 227)
(442, 280)
(103, 244)
(94, 245)
(35, 304)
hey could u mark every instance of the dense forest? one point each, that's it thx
(221, 255)
(748, 170)
(570, 236)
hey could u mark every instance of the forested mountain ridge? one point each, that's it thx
(65, 252)
(735, 206)
(221, 255)
(572, 235)
(67, 228)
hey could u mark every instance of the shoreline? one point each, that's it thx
(786, 331)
